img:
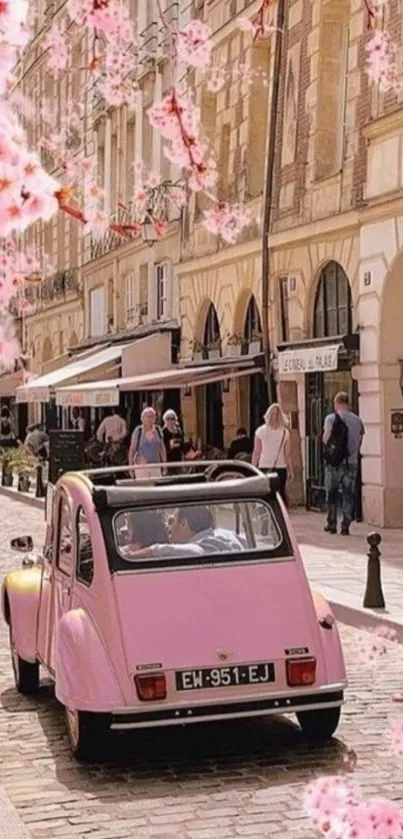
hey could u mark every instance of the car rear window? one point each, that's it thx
(196, 530)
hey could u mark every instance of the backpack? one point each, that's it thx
(336, 449)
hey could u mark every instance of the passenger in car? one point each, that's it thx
(192, 532)
(145, 529)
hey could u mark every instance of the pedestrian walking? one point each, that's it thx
(173, 439)
(343, 432)
(272, 447)
(147, 447)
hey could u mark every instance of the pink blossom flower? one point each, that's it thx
(9, 346)
(226, 221)
(194, 44)
(246, 25)
(59, 51)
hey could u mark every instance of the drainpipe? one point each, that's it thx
(268, 196)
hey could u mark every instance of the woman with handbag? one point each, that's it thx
(272, 447)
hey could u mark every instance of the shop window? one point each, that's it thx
(253, 327)
(333, 307)
(85, 556)
(283, 310)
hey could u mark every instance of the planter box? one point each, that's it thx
(214, 354)
(198, 356)
(254, 348)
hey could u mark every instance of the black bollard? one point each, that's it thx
(373, 598)
(40, 489)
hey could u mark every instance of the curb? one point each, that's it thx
(349, 610)
(11, 825)
(23, 497)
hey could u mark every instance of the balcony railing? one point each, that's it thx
(148, 44)
(171, 17)
(100, 245)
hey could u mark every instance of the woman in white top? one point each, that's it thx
(272, 448)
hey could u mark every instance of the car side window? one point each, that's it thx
(85, 555)
(65, 537)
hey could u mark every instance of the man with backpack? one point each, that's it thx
(342, 438)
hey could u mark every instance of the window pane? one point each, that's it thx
(85, 557)
(64, 553)
(196, 530)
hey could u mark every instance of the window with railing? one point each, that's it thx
(163, 273)
(97, 324)
(130, 298)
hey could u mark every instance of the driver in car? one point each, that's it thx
(192, 531)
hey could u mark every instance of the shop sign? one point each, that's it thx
(90, 398)
(308, 360)
(33, 395)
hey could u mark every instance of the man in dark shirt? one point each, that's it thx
(240, 445)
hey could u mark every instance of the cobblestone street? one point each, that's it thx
(228, 780)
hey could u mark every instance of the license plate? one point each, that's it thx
(220, 677)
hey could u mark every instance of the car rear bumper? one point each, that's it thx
(185, 715)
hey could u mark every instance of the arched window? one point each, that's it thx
(212, 328)
(332, 312)
(253, 326)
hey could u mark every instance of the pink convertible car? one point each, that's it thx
(172, 601)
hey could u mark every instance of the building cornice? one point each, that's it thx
(384, 126)
(219, 258)
(333, 226)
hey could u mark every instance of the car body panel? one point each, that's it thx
(95, 638)
(22, 590)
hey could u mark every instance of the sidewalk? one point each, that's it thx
(337, 567)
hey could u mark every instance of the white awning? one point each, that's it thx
(308, 360)
(101, 394)
(41, 388)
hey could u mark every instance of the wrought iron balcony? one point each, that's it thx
(171, 17)
(148, 44)
(100, 245)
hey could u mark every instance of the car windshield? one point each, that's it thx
(196, 530)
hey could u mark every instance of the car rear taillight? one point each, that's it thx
(151, 688)
(300, 671)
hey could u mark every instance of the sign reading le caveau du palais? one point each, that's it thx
(308, 360)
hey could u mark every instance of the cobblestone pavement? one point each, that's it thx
(218, 782)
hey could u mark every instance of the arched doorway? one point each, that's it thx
(210, 407)
(331, 319)
(252, 389)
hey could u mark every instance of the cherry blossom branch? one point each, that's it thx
(369, 9)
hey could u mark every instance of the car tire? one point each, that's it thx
(26, 673)
(319, 725)
(88, 734)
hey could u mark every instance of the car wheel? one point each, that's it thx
(87, 734)
(319, 725)
(26, 673)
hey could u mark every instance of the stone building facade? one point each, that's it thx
(336, 244)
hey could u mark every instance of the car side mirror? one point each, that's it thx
(22, 543)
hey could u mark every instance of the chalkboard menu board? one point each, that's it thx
(66, 453)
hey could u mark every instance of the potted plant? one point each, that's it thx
(6, 456)
(235, 344)
(197, 349)
(24, 465)
(255, 343)
(214, 348)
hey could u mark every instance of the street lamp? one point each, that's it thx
(148, 232)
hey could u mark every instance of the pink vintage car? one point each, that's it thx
(172, 601)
